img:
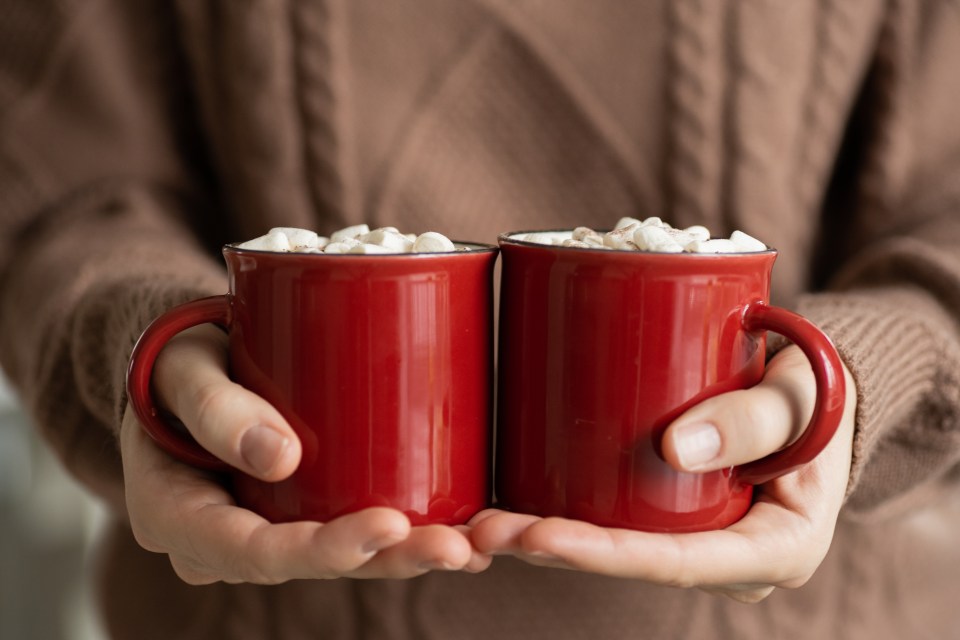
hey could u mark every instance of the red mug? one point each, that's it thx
(381, 364)
(600, 350)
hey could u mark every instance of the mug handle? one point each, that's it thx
(176, 442)
(831, 391)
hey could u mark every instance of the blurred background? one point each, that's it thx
(48, 525)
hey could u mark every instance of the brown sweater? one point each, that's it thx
(138, 135)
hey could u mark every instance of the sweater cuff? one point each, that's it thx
(902, 351)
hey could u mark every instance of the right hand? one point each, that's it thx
(187, 513)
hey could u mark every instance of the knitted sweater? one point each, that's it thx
(136, 136)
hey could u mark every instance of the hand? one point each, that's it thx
(187, 514)
(779, 543)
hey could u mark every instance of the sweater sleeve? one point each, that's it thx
(100, 212)
(893, 308)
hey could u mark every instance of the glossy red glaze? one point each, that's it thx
(599, 351)
(382, 365)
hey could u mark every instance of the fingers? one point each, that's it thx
(428, 548)
(478, 561)
(772, 551)
(499, 532)
(234, 424)
(183, 512)
(239, 546)
(745, 425)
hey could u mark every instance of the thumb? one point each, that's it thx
(231, 422)
(745, 425)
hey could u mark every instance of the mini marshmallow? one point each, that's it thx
(337, 247)
(298, 237)
(697, 232)
(583, 233)
(433, 242)
(368, 248)
(275, 240)
(623, 222)
(747, 242)
(388, 238)
(653, 238)
(351, 233)
(717, 245)
(618, 238)
(654, 221)
(546, 237)
(650, 234)
(357, 239)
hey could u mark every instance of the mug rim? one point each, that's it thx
(474, 248)
(507, 238)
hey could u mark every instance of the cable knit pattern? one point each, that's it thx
(319, 110)
(692, 167)
(825, 105)
(240, 53)
(761, 86)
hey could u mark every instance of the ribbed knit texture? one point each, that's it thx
(135, 137)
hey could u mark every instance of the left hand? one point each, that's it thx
(779, 543)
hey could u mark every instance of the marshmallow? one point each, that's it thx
(747, 242)
(654, 221)
(275, 240)
(584, 233)
(366, 247)
(618, 238)
(389, 238)
(337, 247)
(298, 237)
(698, 232)
(433, 242)
(650, 234)
(349, 233)
(624, 222)
(653, 238)
(358, 239)
(718, 245)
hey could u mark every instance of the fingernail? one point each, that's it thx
(261, 447)
(697, 444)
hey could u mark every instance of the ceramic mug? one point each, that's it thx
(381, 364)
(600, 350)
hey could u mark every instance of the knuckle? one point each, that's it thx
(209, 401)
(337, 565)
(256, 562)
(754, 415)
(753, 430)
(255, 570)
